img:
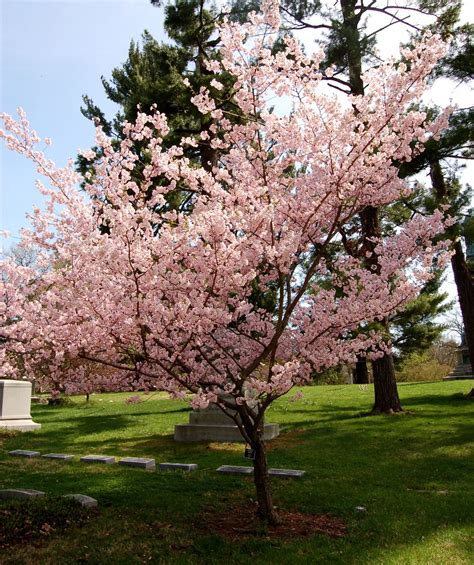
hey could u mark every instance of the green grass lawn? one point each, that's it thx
(412, 473)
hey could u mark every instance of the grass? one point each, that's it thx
(412, 473)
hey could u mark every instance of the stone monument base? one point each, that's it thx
(460, 372)
(220, 434)
(21, 425)
(15, 405)
(212, 424)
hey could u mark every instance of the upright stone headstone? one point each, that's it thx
(15, 406)
(211, 424)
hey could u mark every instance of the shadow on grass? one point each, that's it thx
(412, 477)
(435, 400)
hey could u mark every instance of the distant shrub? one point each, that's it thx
(422, 367)
(335, 376)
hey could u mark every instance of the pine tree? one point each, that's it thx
(166, 77)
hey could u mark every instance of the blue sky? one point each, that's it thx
(53, 52)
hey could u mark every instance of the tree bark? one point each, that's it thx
(385, 386)
(351, 35)
(462, 276)
(465, 287)
(361, 373)
(265, 510)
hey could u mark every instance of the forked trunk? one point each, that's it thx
(265, 510)
(385, 386)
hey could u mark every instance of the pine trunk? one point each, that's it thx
(385, 386)
(465, 287)
(462, 277)
(386, 394)
(361, 373)
(265, 510)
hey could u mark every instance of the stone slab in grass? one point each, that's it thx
(38, 400)
(20, 493)
(178, 466)
(24, 453)
(143, 463)
(106, 459)
(286, 473)
(60, 456)
(82, 499)
(234, 470)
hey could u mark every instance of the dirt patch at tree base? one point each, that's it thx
(241, 521)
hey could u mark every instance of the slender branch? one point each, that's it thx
(394, 16)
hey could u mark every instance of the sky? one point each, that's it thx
(54, 51)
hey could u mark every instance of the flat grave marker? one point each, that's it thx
(178, 466)
(106, 459)
(82, 499)
(24, 453)
(61, 456)
(20, 493)
(286, 473)
(235, 470)
(143, 463)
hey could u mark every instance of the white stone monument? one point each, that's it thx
(15, 406)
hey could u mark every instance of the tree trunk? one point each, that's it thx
(385, 386)
(350, 31)
(462, 277)
(265, 510)
(465, 287)
(386, 395)
(361, 373)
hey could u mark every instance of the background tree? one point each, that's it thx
(456, 145)
(165, 78)
(349, 45)
(415, 329)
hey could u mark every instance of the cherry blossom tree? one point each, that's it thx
(173, 310)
